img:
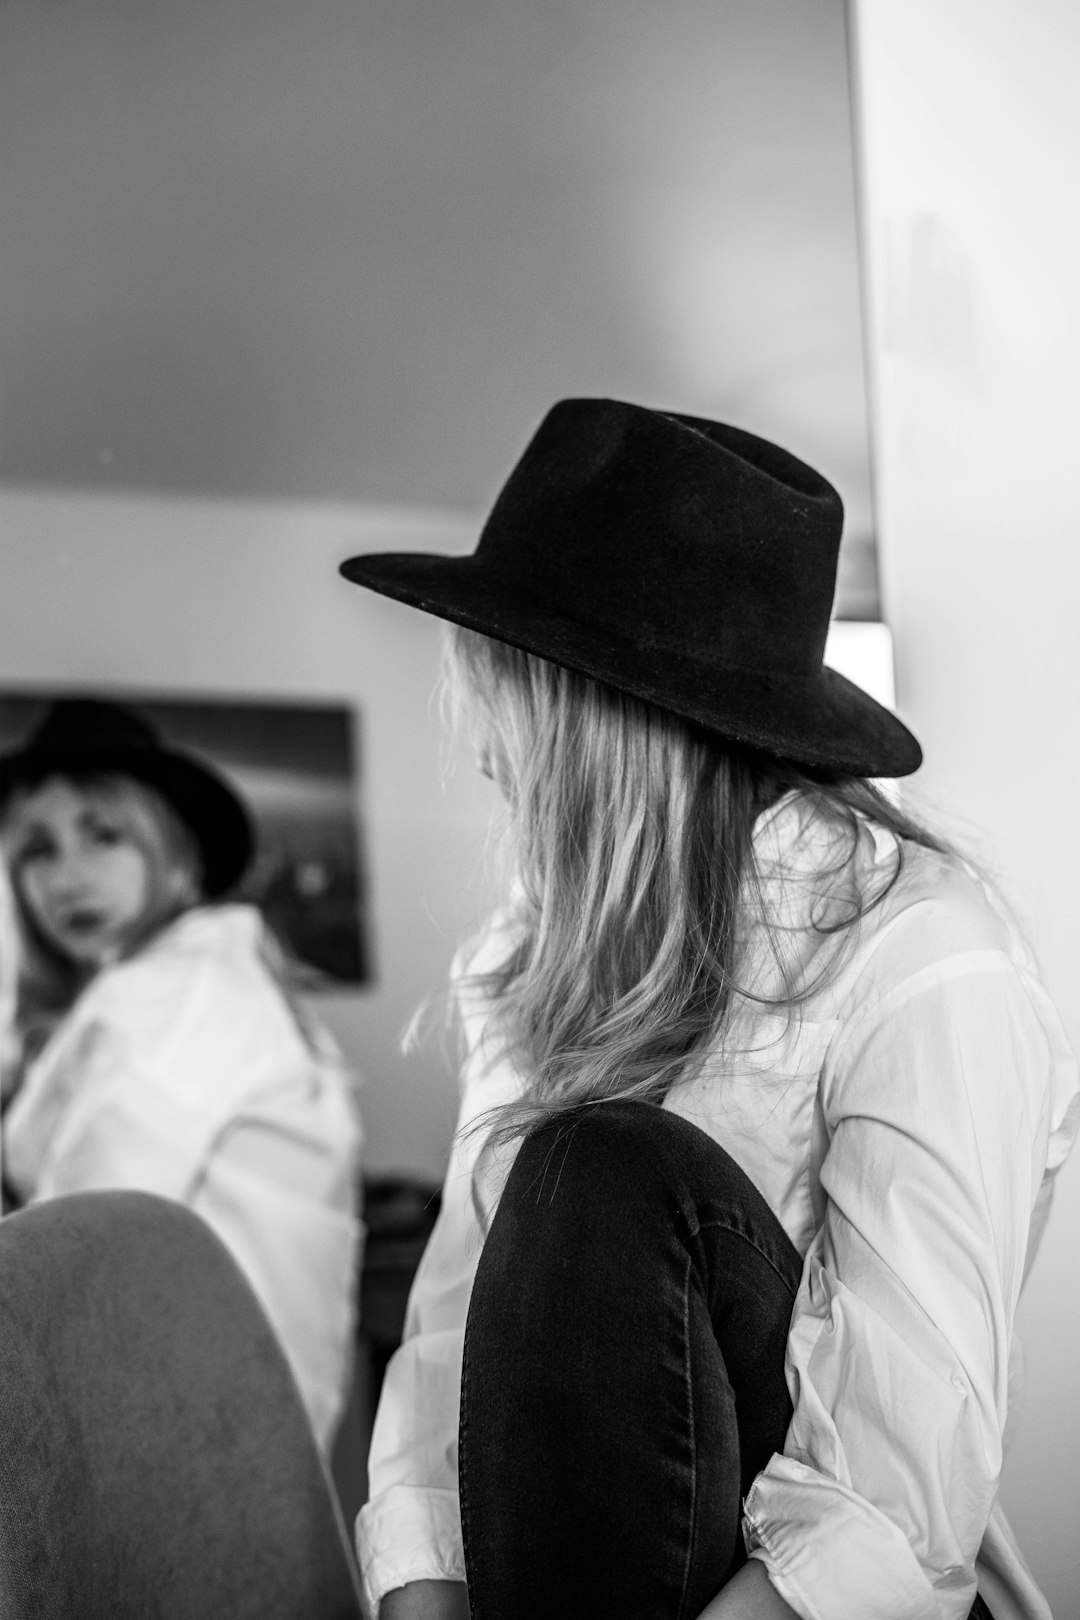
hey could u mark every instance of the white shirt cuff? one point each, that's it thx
(409, 1533)
(832, 1556)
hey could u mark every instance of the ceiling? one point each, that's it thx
(352, 249)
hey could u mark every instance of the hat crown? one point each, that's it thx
(686, 533)
(88, 725)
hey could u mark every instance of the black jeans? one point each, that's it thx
(624, 1372)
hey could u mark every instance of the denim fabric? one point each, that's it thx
(624, 1371)
(623, 1379)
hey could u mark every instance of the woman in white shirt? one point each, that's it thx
(762, 1097)
(155, 1042)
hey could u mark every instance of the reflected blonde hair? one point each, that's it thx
(47, 982)
(637, 881)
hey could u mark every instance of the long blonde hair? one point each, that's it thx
(636, 873)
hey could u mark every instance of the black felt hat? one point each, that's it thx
(79, 736)
(680, 560)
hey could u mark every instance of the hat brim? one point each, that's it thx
(200, 797)
(822, 720)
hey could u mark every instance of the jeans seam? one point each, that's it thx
(744, 1237)
(463, 1422)
(688, 1374)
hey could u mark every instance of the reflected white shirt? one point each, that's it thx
(905, 1128)
(184, 1071)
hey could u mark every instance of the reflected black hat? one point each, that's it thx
(677, 559)
(79, 736)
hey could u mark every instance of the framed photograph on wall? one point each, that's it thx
(296, 766)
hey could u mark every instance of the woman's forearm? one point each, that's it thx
(749, 1595)
(426, 1600)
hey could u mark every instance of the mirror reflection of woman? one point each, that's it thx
(156, 1043)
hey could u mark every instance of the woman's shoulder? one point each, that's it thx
(226, 937)
(944, 900)
(944, 953)
(856, 898)
(228, 930)
(931, 915)
(204, 976)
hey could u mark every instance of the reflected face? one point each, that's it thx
(81, 875)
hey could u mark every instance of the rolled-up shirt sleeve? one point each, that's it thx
(410, 1528)
(939, 1109)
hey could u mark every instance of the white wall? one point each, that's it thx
(969, 148)
(189, 597)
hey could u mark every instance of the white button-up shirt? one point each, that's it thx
(904, 1125)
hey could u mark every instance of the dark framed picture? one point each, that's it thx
(296, 766)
